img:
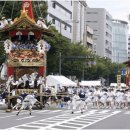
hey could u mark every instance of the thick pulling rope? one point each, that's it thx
(39, 9)
(12, 10)
(3, 8)
(35, 8)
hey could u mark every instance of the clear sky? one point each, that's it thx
(119, 9)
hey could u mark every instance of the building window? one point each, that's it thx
(54, 5)
(65, 27)
(92, 21)
(71, 16)
(92, 12)
(71, 2)
(53, 21)
(70, 29)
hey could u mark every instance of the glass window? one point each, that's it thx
(71, 2)
(65, 27)
(54, 5)
(53, 21)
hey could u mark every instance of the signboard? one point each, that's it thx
(123, 71)
(25, 58)
(118, 80)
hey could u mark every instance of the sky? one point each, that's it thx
(119, 9)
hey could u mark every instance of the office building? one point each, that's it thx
(101, 23)
(69, 18)
(119, 41)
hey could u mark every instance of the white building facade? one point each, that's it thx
(69, 18)
(60, 14)
(119, 41)
(101, 23)
(79, 27)
(129, 47)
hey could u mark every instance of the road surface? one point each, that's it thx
(62, 119)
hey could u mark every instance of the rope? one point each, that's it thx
(39, 9)
(12, 10)
(35, 8)
(3, 7)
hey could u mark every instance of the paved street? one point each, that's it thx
(61, 119)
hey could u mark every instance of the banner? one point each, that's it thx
(119, 81)
(28, 6)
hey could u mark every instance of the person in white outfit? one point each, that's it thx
(77, 102)
(41, 23)
(28, 102)
(4, 21)
(10, 22)
(96, 97)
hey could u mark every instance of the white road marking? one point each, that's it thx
(104, 111)
(99, 120)
(71, 119)
(25, 117)
(128, 112)
(74, 121)
(42, 111)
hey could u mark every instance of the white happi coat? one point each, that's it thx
(77, 102)
(29, 101)
(110, 97)
(96, 95)
(88, 97)
(103, 97)
(128, 97)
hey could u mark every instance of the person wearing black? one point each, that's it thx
(82, 96)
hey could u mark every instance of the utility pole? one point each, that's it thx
(60, 63)
(83, 73)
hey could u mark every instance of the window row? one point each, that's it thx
(65, 13)
(61, 25)
(109, 27)
(92, 21)
(92, 12)
(108, 35)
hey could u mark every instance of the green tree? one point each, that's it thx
(10, 9)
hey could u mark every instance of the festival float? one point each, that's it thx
(25, 51)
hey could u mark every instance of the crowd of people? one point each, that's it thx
(4, 22)
(100, 97)
(74, 97)
(94, 97)
(32, 81)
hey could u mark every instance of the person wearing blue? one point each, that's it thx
(20, 99)
(28, 102)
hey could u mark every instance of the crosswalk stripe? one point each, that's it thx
(104, 111)
(128, 112)
(74, 121)
(25, 117)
